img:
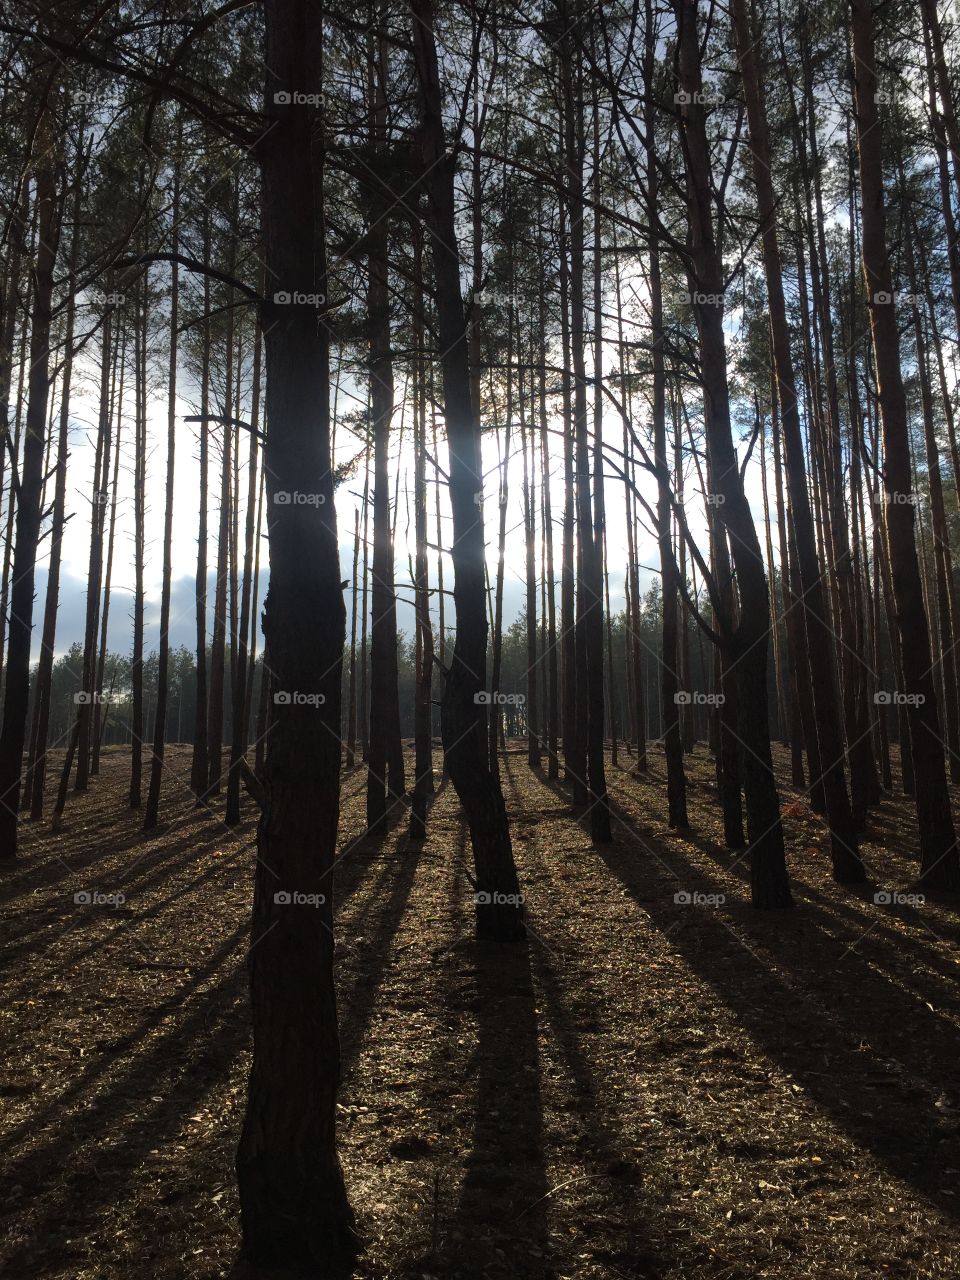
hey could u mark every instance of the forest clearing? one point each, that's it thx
(479, 695)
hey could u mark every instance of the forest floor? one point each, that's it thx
(647, 1089)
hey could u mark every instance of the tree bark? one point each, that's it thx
(139, 548)
(845, 857)
(745, 644)
(939, 863)
(37, 761)
(198, 769)
(28, 518)
(244, 663)
(385, 771)
(499, 913)
(293, 1203)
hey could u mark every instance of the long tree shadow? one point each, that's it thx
(127, 1109)
(85, 1086)
(38, 935)
(844, 903)
(360, 978)
(889, 1111)
(105, 843)
(613, 1176)
(499, 1227)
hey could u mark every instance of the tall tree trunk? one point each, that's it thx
(669, 656)
(37, 762)
(163, 664)
(364, 614)
(244, 662)
(496, 712)
(945, 591)
(636, 701)
(218, 640)
(198, 768)
(100, 657)
(939, 863)
(847, 866)
(17, 686)
(572, 766)
(550, 636)
(530, 533)
(110, 349)
(589, 606)
(294, 1209)
(385, 773)
(139, 546)
(745, 643)
(423, 707)
(463, 714)
(8, 332)
(350, 759)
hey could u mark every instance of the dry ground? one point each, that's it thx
(648, 1089)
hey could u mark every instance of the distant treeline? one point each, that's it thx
(116, 693)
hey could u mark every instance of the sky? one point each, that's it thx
(76, 543)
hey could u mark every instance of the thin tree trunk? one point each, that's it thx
(8, 333)
(669, 657)
(463, 715)
(244, 662)
(845, 857)
(364, 613)
(139, 548)
(218, 640)
(198, 768)
(496, 714)
(589, 606)
(385, 772)
(530, 531)
(745, 643)
(17, 687)
(37, 761)
(939, 863)
(423, 707)
(350, 760)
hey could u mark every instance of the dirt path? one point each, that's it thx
(650, 1088)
